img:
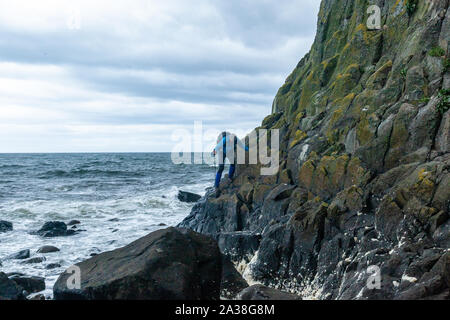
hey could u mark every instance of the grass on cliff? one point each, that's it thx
(411, 6)
(436, 52)
(444, 101)
(446, 64)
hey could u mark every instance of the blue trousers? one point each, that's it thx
(220, 171)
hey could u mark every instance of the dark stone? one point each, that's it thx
(9, 290)
(189, 197)
(47, 249)
(21, 255)
(52, 266)
(38, 297)
(34, 260)
(239, 245)
(5, 226)
(232, 281)
(73, 222)
(114, 220)
(260, 292)
(54, 229)
(169, 264)
(30, 284)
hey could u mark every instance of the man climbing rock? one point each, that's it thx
(226, 148)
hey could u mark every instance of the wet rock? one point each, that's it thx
(30, 284)
(239, 245)
(21, 255)
(9, 290)
(52, 266)
(232, 281)
(73, 222)
(54, 229)
(166, 264)
(5, 226)
(189, 197)
(47, 249)
(37, 297)
(34, 260)
(260, 292)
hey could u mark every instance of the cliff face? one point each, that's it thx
(364, 182)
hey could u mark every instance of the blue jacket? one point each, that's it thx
(227, 141)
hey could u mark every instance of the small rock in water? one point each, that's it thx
(34, 260)
(38, 297)
(5, 226)
(21, 255)
(54, 229)
(53, 266)
(113, 220)
(30, 284)
(162, 225)
(189, 197)
(47, 249)
(73, 222)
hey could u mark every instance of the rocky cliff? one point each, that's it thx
(364, 183)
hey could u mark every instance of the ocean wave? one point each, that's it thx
(12, 166)
(80, 173)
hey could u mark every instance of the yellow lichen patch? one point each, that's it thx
(423, 174)
(363, 29)
(378, 79)
(363, 132)
(397, 2)
(299, 136)
(298, 118)
(306, 173)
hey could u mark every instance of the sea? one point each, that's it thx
(117, 197)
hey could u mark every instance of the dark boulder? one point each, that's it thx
(29, 284)
(5, 226)
(169, 264)
(232, 281)
(54, 229)
(260, 292)
(21, 255)
(34, 260)
(73, 222)
(9, 290)
(47, 249)
(52, 266)
(189, 197)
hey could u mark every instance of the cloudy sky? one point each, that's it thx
(123, 76)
